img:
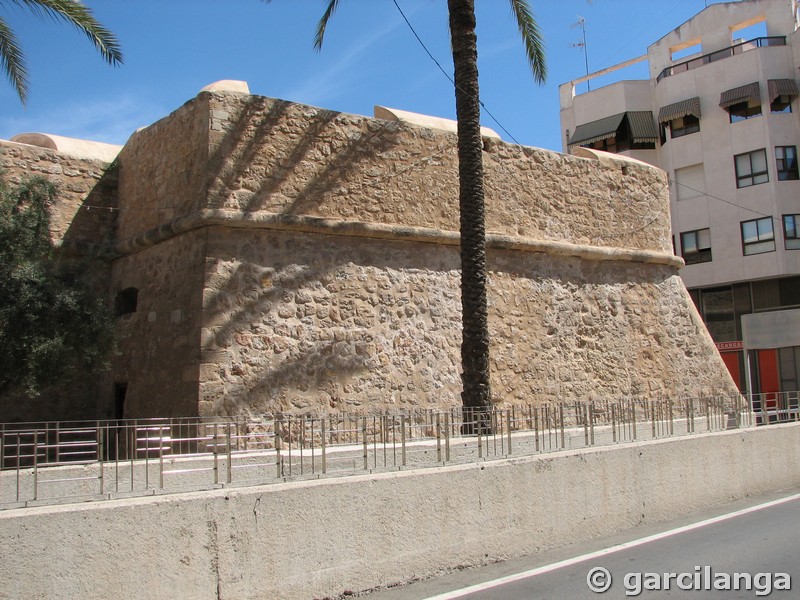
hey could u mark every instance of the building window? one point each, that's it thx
(781, 104)
(696, 246)
(744, 110)
(751, 168)
(126, 302)
(791, 232)
(684, 126)
(757, 236)
(690, 182)
(786, 161)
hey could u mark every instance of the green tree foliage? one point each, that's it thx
(12, 58)
(51, 321)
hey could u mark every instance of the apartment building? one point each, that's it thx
(720, 114)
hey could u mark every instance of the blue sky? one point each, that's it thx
(173, 48)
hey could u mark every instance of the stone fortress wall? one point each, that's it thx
(294, 259)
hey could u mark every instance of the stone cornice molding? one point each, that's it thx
(320, 225)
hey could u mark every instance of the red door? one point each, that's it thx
(768, 376)
(731, 360)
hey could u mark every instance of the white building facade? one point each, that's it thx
(720, 113)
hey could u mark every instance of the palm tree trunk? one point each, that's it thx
(475, 396)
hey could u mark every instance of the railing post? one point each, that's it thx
(364, 442)
(585, 418)
(653, 418)
(19, 449)
(508, 429)
(229, 455)
(215, 451)
(671, 418)
(35, 464)
(322, 445)
(613, 423)
(161, 457)
(277, 425)
(100, 451)
(403, 440)
(438, 437)
(447, 437)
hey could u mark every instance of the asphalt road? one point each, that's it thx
(688, 558)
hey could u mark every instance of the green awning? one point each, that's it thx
(595, 131)
(744, 93)
(643, 129)
(782, 87)
(679, 109)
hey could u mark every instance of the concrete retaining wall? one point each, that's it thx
(312, 539)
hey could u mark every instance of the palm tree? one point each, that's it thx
(475, 395)
(71, 11)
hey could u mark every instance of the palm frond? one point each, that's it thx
(13, 61)
(531, 38)
(323, 24)
(74, 12)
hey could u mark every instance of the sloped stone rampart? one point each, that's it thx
(299, 322)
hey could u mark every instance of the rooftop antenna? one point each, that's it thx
(581, 22)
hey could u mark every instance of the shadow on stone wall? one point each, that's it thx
(328, 322)
(91, 231)
(270, 150)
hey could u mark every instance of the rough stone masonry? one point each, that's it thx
(289, 258)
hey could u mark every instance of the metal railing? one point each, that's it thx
(699, 61)
(43, 463)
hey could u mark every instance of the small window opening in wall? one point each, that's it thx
(684, 126)
(685, 50)
(749, 30)
(741, 111)
(126, 301)
(120, 391)
(781, 104)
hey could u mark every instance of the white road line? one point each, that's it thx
(605, 551)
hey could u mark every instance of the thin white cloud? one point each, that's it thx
(339, 77)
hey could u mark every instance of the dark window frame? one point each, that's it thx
(701, 254)
(741, 111)
(751, 176)
(781, 104)
(682, 126)
(791, 234)
(755, 247)
(786, 166)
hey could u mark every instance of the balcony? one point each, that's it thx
(694, 63)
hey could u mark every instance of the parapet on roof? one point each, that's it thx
(72, 146)
(392, 114)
